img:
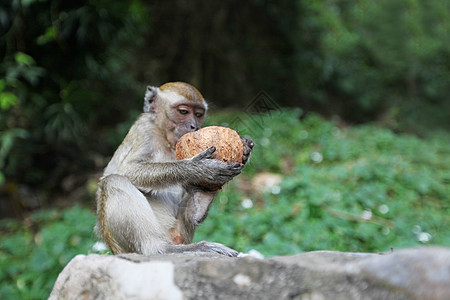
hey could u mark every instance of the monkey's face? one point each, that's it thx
(185, 117)
(179, 108)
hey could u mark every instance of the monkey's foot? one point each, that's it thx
(202, 247)
(217, 248)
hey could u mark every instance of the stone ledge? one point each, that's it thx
(416, 273)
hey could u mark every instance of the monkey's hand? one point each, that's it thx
(213, 171)
(248, 147)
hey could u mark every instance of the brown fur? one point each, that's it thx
(184, 89)
(107, 235)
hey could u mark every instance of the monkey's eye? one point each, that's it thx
(183, 111)
(199, 115)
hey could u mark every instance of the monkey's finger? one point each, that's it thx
(248, 142)
(231, 171)
(235, 171)
(235, 166)
(211, 150)
(206, 154)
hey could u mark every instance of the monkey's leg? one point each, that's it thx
(126, 219)
(198, 206)
(129, 224)
(192, 212)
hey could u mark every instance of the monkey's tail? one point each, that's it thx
(104, 228)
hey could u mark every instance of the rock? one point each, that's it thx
(418, 273)
(265, 181)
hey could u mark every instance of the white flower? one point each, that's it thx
(247, 203)
(366, 215)
(316, 157)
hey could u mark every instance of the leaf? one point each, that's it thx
(48, 36)
(24, 59)
(7, 100)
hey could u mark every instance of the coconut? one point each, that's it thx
(228, 143)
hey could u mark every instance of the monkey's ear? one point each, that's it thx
(150, 99)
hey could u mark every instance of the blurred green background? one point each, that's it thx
(352, 155)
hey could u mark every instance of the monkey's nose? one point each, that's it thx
(194, 128)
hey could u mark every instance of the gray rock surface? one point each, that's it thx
(418, 273)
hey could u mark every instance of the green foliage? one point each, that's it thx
(61, 62)
(71, 71)
(381, 59)
(33, 252)
(361, 188)
(72, 75)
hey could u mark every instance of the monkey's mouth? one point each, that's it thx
(180, 133)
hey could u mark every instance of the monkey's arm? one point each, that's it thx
(200, 168)
(195, 206)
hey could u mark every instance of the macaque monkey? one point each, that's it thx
(147, 201)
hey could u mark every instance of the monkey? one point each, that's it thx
(147, 201)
